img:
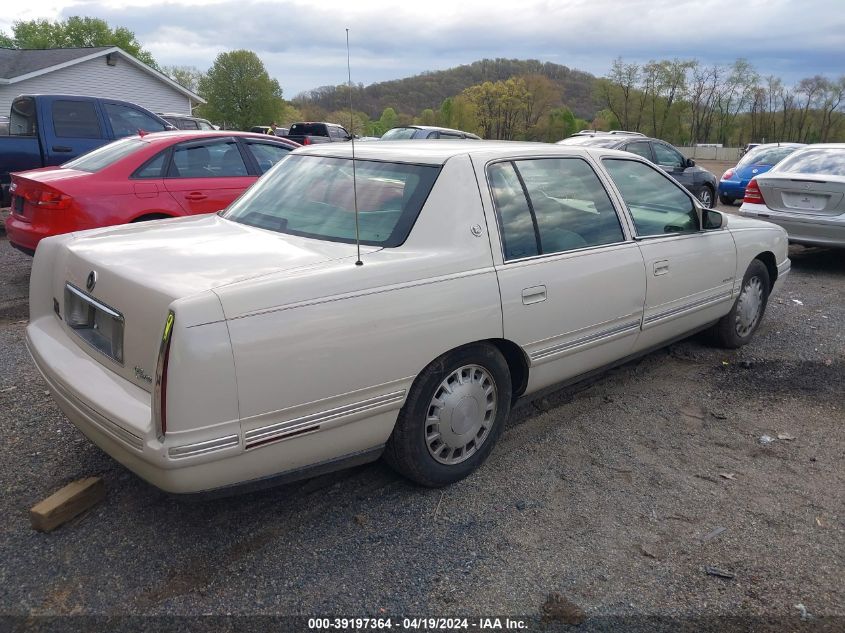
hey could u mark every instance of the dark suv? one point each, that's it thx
(700, 182)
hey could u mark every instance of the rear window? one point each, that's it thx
(308, 129)
(106, 155)
(313, 196)
(768, 156)
(823, 161)
(399, 133)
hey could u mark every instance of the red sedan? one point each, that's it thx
(161, 175)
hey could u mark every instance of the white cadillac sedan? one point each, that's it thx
(211, 351)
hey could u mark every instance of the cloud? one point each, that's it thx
(303, 44)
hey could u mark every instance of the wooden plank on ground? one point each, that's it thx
(64, 504)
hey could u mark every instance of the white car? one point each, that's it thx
(805, 194)
(216, 350)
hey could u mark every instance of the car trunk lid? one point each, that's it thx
(804, 194)
(127, 277)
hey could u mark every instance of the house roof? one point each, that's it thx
(20, 64)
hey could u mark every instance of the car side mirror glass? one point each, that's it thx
(711, 219)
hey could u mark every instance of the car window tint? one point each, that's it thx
(657, 205)
(205, 125)
(102, 157)
(154, 168)
(207, 160)
(519, 236)
(313, 196)
(76, 119)
(667, 157)
(126, 121)
(640, 149)
(188, 124)
(268, 154)
(571, 207)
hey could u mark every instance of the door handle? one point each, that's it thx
(661, 267)
(535, 294)
(62, 148)
(195, 196)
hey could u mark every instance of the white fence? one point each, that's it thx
(727, 154)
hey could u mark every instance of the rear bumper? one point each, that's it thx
(826, 231)
(115, 414)
(732, 189)
(23, 235)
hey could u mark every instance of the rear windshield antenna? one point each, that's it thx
(358, 262)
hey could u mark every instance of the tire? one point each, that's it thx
(726, 200)
(736, 328)
(150, 217)
(706, 197)
(453, 416)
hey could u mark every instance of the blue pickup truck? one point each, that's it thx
(49, 130)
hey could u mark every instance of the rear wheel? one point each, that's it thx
(736, 328)
(706, 197)
(151, 216)
(453, 416)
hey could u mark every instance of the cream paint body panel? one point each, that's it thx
(405, 306)
(690, 282)
(590, 315)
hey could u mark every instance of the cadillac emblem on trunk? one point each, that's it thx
(91, 281)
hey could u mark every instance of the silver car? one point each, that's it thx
(805, 194)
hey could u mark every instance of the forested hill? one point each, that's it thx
(412, 95)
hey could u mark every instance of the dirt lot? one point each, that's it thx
(618, 495)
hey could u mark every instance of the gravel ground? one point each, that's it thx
(606, 501)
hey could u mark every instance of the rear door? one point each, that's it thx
(72, 126)
(205, 176)
(572, 282)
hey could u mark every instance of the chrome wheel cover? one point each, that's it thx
(461, 414)
(705, 197)
(749, 306)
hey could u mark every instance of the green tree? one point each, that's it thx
(187, 76)
(239, 92)
(76, 31)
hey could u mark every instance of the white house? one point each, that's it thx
(101, 71)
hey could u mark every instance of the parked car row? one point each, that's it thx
(756, 161)
(150, 177)
(804, 193)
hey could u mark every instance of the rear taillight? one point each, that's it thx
(728, 174)
(47, 198)
(753, 193)
(306, 141)
(160, 388)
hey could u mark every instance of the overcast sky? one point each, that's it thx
(302, 44)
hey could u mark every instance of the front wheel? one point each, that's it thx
(736, 328)
(453, 416)
(705, 197)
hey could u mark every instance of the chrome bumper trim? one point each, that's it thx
(201, 448)
(310, 423)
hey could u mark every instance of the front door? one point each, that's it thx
(689, 271)
(572, 283)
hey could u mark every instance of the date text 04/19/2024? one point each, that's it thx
(417, 624)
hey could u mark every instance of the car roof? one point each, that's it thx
(171, 135)
(437, 152)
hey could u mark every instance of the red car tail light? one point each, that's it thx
(728, 174)
(47, 199)
(160, 387)
(306, 141)
(753, 193)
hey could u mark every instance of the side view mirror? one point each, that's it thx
(711, 219)
(690, 163)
